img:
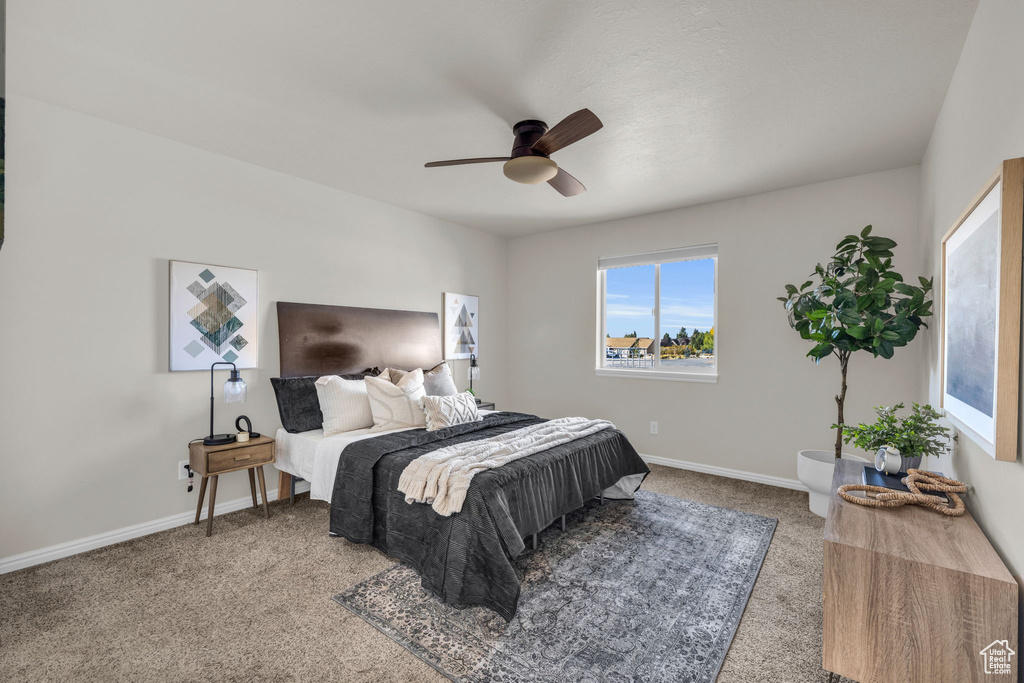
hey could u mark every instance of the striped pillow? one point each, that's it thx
(448, 411)
(344, 404)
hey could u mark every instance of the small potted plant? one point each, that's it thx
(914, 436)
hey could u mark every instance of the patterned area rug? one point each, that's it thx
(645, 590)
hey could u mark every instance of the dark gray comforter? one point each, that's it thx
(466, 559)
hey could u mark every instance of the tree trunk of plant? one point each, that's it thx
(844, 361)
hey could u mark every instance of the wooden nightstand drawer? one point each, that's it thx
(212, 461)
(246, 456)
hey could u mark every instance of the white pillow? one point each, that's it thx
(344, 403)
(447, 411)
(396, 406)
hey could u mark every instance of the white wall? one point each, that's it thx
(981, 123)
(770, 400)
(92, 424)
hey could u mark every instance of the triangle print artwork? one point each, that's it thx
(461, 326)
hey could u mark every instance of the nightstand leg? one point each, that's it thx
(202, 495)
(252, 487)
(213, 497)
(263, 492)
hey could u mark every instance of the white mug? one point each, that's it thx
(242, 437)
(888, 459)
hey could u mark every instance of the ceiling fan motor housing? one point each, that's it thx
(527, 165)
(527, 132)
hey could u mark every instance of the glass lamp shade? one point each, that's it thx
(530, 170)
(234, 389)
(474, 372)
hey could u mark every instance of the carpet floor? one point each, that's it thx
(253, 602)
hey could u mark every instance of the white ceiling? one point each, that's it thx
(701, 100)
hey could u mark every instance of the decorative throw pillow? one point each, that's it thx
(344, 404)
(393, 375)
(396, 406)
(437, 381)
(447, 411)
(297, 401)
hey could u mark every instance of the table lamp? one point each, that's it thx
(234, 392)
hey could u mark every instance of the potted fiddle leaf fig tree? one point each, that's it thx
(855, 303)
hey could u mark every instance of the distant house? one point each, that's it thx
(628, 347)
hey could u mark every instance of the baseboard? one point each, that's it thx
(69, 548)
(781, 482)
(81, 545)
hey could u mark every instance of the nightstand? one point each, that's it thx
(213, 461)
(484, 405)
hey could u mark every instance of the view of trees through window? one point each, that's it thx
(685, 308)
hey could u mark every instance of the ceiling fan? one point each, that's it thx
(534, 143)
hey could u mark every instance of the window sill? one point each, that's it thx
(670, 375)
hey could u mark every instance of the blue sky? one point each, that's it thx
(687, 298)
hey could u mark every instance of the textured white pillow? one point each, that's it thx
(344, 404)
(396, 406)
(392, 375)
(447, 411)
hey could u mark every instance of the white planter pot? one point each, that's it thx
(815, 469)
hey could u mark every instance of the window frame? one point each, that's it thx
(655, 258)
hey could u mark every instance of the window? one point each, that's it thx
(658, 314)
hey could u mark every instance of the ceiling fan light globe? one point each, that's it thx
(530, 170)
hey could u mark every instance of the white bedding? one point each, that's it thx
(314, 457)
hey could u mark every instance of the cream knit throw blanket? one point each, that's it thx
(441, 478)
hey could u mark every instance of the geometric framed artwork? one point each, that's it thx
(214, 316)
(461, 327)
(981, 317)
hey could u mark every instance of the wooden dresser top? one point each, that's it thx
(911, 532)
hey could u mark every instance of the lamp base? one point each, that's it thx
(219, 439)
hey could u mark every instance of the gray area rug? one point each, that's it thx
(646, 590)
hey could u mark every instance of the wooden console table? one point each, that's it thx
(911, 595)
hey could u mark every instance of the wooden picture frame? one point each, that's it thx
(981, 314)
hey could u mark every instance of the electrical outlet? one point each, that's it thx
(654, 428)
(182, 472)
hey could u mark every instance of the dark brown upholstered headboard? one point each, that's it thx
(335, 340)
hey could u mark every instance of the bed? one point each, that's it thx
(466, 558)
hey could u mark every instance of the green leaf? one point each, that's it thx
(887, 284)
(885, 350)
(806, 284)
(820, 351)
(865, 232)
(845, 299)
(879, 325)
(904, 289)
(848, 317)
(879, 243)
(857, 332)
(864, 301)
(791, 289)
(890, 335)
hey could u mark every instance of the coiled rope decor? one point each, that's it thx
(916, 480)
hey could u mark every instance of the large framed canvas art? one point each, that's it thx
(981, 299)
(214, 316)
(461, 326)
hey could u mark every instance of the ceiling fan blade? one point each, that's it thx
(459, 162)
(566, 184)
(572, 128)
